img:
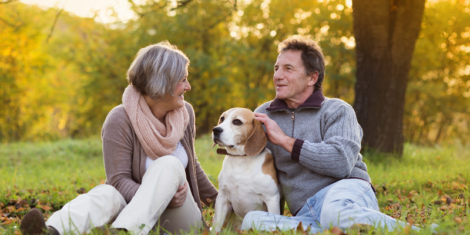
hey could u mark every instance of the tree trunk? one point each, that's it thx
(385, 33)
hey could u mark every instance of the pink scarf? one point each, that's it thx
(156, 138)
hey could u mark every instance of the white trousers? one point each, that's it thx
(104, 204)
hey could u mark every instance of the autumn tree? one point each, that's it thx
(385, 33)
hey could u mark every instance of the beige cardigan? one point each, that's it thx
(124, 158)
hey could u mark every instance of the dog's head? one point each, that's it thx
(238, 129)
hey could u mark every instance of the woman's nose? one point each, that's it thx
(187, 86)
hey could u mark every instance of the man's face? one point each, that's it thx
(292, 83)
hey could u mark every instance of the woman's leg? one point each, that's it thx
(96, 208)
(186, 217)
(159, 185)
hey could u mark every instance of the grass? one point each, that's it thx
(427, 185)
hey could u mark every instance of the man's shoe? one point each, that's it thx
(33, 224)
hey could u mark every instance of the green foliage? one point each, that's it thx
(65, 87)
(438, 96)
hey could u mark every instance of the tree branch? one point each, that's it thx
(181, 4)
(7, 23)
(53, 25)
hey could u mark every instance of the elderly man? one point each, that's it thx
(315, 142)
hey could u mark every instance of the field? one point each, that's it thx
(427, 185)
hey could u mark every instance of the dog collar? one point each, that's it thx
(224, 152)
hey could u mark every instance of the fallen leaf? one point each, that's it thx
(10, 209)
(300, 229)
(7, 222)
(206, 231)
(458, 220)
(81, 190)
(443, 208)
(46, 208)
(337, 231)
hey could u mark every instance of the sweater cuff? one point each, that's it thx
(296, 150)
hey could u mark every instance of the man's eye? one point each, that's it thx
(222, 119)
(237, 122)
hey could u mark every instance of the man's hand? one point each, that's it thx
(180, 196)
(274, 132)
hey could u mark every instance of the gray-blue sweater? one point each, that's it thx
(328, 140)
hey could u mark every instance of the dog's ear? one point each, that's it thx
(257, 140)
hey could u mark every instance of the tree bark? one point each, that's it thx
(385, 32)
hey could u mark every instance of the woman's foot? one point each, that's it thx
(33, 224)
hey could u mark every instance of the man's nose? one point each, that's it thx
(278, 75)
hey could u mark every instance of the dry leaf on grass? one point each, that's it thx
(337, 231)
(46, 208)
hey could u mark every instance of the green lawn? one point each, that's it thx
(427, 185)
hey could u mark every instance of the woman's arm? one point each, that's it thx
(207, 191)
(118, 151)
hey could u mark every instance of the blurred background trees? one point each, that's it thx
(66, 86)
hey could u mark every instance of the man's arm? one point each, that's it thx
(336, 155)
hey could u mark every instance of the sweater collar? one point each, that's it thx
(313, 101)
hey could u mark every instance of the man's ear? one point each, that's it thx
(257, 140)
(313, 78)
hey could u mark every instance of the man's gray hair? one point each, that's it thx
(157, 69)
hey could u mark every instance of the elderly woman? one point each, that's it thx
(153, 176)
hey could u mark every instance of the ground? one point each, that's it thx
(426, 185)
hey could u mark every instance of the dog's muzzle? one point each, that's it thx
(216, 132)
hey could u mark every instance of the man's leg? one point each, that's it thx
(352, 201)
(159, 185)
(265, 221)
(96, 208)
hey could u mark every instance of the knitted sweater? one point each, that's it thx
(124, 158)
(328, 140)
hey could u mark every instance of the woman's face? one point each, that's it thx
(177, 100)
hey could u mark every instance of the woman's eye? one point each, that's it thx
(237, 122)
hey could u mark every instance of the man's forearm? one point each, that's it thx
(287, 143)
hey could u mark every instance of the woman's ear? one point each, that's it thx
(257, 140)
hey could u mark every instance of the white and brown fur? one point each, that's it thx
(248, 179)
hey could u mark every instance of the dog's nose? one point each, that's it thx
(217, 131)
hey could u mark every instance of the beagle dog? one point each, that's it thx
(248, 179)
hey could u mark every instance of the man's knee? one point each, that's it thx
(252, 219)
(332, 212)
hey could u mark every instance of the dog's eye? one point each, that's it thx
(237, 122)
(222, 119)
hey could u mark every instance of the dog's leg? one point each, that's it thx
(272, 202)
(221, 209)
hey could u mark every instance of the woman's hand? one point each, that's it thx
(180, 197)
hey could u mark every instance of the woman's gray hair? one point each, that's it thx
(157, 69)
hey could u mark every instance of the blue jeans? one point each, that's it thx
(342, 204)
